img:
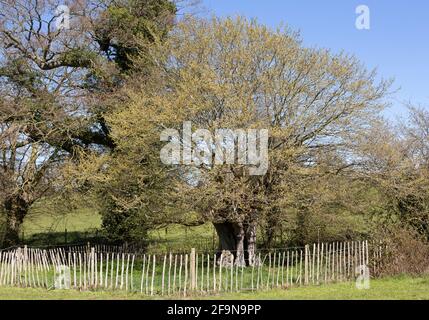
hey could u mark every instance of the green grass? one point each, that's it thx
(122, 274)
(179, 238)
(79, 220)
(401, 288)
(398, 288)
(44, 225)
(40, 220)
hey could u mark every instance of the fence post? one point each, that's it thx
(153, 275)
(366, 252)
(192, 270)
(306, 265)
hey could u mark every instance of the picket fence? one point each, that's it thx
(106, 268)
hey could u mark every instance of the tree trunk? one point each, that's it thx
(251, 244)
(16, 209)
(238, 240)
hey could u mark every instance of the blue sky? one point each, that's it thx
(397, 43)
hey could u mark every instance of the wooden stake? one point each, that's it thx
(220, 272)
(192, 270)
(147, 274)
(174, 276)
(214, 273)
(202, 273)
(153, 275)
(170, 257)
(117, 271)
(80, 270)
(180, 274)
(163, 274)
(208, 272)
(185, 285)
(287, 270)
(318, 263)
(126, 272)
(143, 269)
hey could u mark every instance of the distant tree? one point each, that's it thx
(57, 84)
(27, 171)
(395, 162)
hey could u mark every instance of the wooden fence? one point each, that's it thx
(106, 268)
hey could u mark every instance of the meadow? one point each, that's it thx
(396, 288)
(46, 226)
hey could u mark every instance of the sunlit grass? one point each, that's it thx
(401, 288)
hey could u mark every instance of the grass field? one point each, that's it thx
(46, 226)
(399, 288)
(41, 220)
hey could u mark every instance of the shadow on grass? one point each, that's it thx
(63, 238)
(95, 237)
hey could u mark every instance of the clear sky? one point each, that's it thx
(397, 43)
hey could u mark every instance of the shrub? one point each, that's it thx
(406, 252)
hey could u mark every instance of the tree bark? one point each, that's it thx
(239, 240)
(16, 209)
(251, 244)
